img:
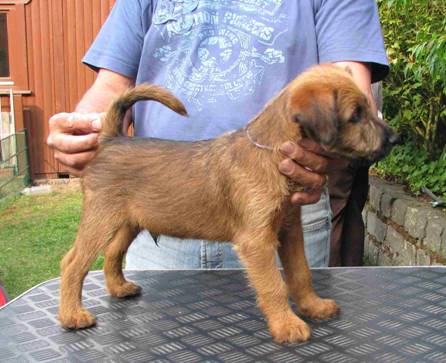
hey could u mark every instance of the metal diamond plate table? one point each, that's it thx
(388, 315)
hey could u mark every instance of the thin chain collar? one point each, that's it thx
(255, 143)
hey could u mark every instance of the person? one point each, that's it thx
(224, 60)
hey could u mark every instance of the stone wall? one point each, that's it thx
(401, 230)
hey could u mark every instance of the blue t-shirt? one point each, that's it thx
(225, 59)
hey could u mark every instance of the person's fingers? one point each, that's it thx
(334, 162)
(75, 162)
(98, 119)
(305, 158)
(75, 123)
(74, 138)
(312, 146)
(72, 144)
(308, 197)
(302, 176)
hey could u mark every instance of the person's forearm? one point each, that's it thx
(362, 75)
(74, 136)
(106, 88)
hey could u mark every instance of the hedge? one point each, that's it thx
(415, 92)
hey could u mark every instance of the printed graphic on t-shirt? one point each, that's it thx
(217, 49)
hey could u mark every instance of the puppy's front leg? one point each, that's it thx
(257, 250)
(298, 275)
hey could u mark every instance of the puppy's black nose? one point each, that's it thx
(391, 138)
(394, 138)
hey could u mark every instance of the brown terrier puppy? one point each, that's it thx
(226, 189)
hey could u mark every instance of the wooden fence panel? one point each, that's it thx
(58, 34)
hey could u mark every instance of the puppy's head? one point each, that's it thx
(331, 109)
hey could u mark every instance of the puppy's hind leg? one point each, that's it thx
(67, 258)
(298, 275)
(114, 254)
(257, 250)
(94, 233)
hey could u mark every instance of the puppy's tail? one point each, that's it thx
(113, 122)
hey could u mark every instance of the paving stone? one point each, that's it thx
(364, 216)
(386, 204)
(381, 230)
(371, 251)
(37, 190)
(376, 227)
(408, 254)
(435, 233)
(399, 209)
(375, 194)
(394, 240)
(423, 258)
(415, 221)
(384, 259)
(388, 199)
(424, 224)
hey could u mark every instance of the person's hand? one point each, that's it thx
(308, 165)
(74, 138)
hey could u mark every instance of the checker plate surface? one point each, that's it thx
(388, 315)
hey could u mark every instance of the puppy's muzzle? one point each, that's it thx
(393, 138)
(389, 140)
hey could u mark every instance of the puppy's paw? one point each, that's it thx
(127, 289)
(78, 319)
(319, 309)
(289, 328)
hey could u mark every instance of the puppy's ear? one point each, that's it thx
(316, 113)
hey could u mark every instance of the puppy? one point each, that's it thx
(226, 189)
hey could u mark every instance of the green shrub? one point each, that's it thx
(415, 91)
(410, 165)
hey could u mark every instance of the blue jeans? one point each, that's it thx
(174, 253)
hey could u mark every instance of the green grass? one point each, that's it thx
(35, 233)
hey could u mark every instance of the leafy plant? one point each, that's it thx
(415, 91)
(409, 165)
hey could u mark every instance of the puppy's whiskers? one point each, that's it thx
(255, 143)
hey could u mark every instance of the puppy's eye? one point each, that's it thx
(356, 116)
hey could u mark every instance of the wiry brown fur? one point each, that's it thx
(225, 189)
(144, 92)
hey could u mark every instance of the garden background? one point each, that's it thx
(415, 92)
(35, 231)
